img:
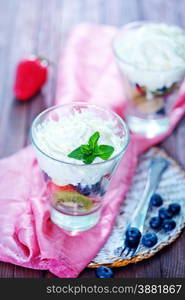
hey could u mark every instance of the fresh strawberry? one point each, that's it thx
(67, 188)
(53, 187)
(31, 75)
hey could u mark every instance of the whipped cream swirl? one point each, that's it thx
(58, 138)
(151, 54)
(154, 46)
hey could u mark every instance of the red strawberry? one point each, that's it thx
(31, 74)
(53, 187)
(67, 188)
(140, 89)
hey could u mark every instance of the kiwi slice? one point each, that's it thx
(72, 197)
(148, 106)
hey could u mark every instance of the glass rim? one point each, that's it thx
(55, 107)
(120, 58)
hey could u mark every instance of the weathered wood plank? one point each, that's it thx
(19, 39)
(21, 32)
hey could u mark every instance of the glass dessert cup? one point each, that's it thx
(150, 94)
(76, 190)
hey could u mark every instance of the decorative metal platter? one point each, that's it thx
(171, 188)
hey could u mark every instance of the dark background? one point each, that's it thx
(41, 27)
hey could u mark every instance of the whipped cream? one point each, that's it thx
(57, 138)
(152, 54)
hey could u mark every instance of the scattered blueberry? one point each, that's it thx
(174, 208)
(169, 225)
(149, 239)
(104, 272)
(155, 222)
(134, 232)
(156, 200)
(133, 236)
(165, 213)
(131, 242)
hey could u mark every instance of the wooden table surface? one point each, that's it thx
(41, 27)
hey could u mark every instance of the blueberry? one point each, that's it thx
(169, 225)
(174, 208)
(96, 188)
(133, 232)
(156, 200)
(86, 191)
(163, 89)
(133, 236)
(155, 222)
(131, 242)
(149, 239)
(161, 111)
(104, 272)
(165, 213)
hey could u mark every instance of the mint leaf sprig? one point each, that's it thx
(88, 152)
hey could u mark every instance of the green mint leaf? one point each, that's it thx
(77, 154)
(88, 153)
(94, 140)
(105, 151)
(86, 150)
(89, 159)
(96, 150)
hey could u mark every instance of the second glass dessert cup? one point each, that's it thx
(151, 92)
(76, 190)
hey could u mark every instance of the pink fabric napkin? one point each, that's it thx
(87, 72)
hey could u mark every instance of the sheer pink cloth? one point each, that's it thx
(87, 72)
